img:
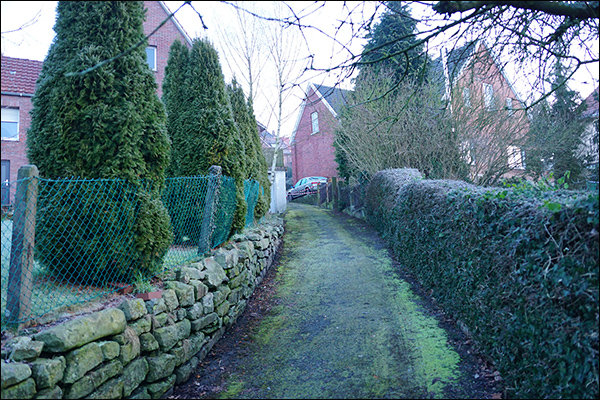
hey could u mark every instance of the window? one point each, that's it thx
(467, 97)
(315, 122)
(5, 182)
(509, 106)
(10, 124)
(465, 148)
(515, 157)
(151, 57)
(488, 96)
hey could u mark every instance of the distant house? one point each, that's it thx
(490, 118)
(589, 144)
(312, 139)
(18, 86)
(268, 140)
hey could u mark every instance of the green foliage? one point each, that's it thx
(201, 122)
(521, 275)
(556, 133)
(391, 46)
(256, 167)
(108, 123)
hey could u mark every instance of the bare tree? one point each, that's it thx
(243, 47)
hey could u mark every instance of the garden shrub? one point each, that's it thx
(519, 267)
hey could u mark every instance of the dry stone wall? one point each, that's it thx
(141, 349)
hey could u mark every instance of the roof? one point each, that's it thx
(592, 105)
(336, 97)
(459, 59)
(177, 24)
(19, 75)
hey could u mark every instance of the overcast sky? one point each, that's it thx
(32, 42)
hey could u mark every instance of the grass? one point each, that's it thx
(51, 297)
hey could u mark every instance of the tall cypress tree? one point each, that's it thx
(256, 165)
(105, 123)
(204, 132)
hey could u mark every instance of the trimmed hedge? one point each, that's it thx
(519, 268)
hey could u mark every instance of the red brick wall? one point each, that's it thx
(162, 39)
(16, 151)
(314, 154)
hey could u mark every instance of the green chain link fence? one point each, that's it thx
(72, 240)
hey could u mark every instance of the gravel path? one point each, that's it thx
(337, 319)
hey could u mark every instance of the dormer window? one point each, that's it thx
(509, 106)
(467, 97)
(315, 122)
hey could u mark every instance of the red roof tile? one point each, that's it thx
(19, 75)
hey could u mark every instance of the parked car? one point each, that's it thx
(305, 186)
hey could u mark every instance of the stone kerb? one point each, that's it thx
(141, 349)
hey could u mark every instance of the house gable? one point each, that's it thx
(313, 153)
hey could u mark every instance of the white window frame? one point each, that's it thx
(509, 106)
(10, 116)
(314, 118)
(154, 51)
(488, 96)
(515, 157)
(467, 96)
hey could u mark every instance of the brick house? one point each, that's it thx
(18, 86)
(491, 122)
(312, 139)
(589, 141)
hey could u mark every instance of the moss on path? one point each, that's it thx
(345, 325)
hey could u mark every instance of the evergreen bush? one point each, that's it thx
(519, 267)
(106, 123)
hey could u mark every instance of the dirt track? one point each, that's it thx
(336, 318)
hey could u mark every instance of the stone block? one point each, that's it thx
(82, 360)
(186, 274)
(185, 293)
(55, 393)
(185, 371)
(200, 289)
(170, 298)
(23, 390)
(140, 393)
(133, 309)
(158, 389)
(195, 311)
(83, 330)
(133, 375)
(47, 372)
(204, 322)
(156, 306)
(160, 367)
(130, 348)
(208, 303)
(148, 343)
(13, 373)
(142, 325)
(25, 349)
(112, 389)
(221, 294)
(227, 258)
(214, 274)
(110, 349)
(168, 336)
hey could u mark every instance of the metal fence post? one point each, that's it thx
(210, 206)
(20, 280)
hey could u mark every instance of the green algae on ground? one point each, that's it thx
(345, 326)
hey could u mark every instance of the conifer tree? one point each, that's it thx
(391, 47)
(556, 131)
(256, 165)
(105, 123)
(174, 98)
(204, 132)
